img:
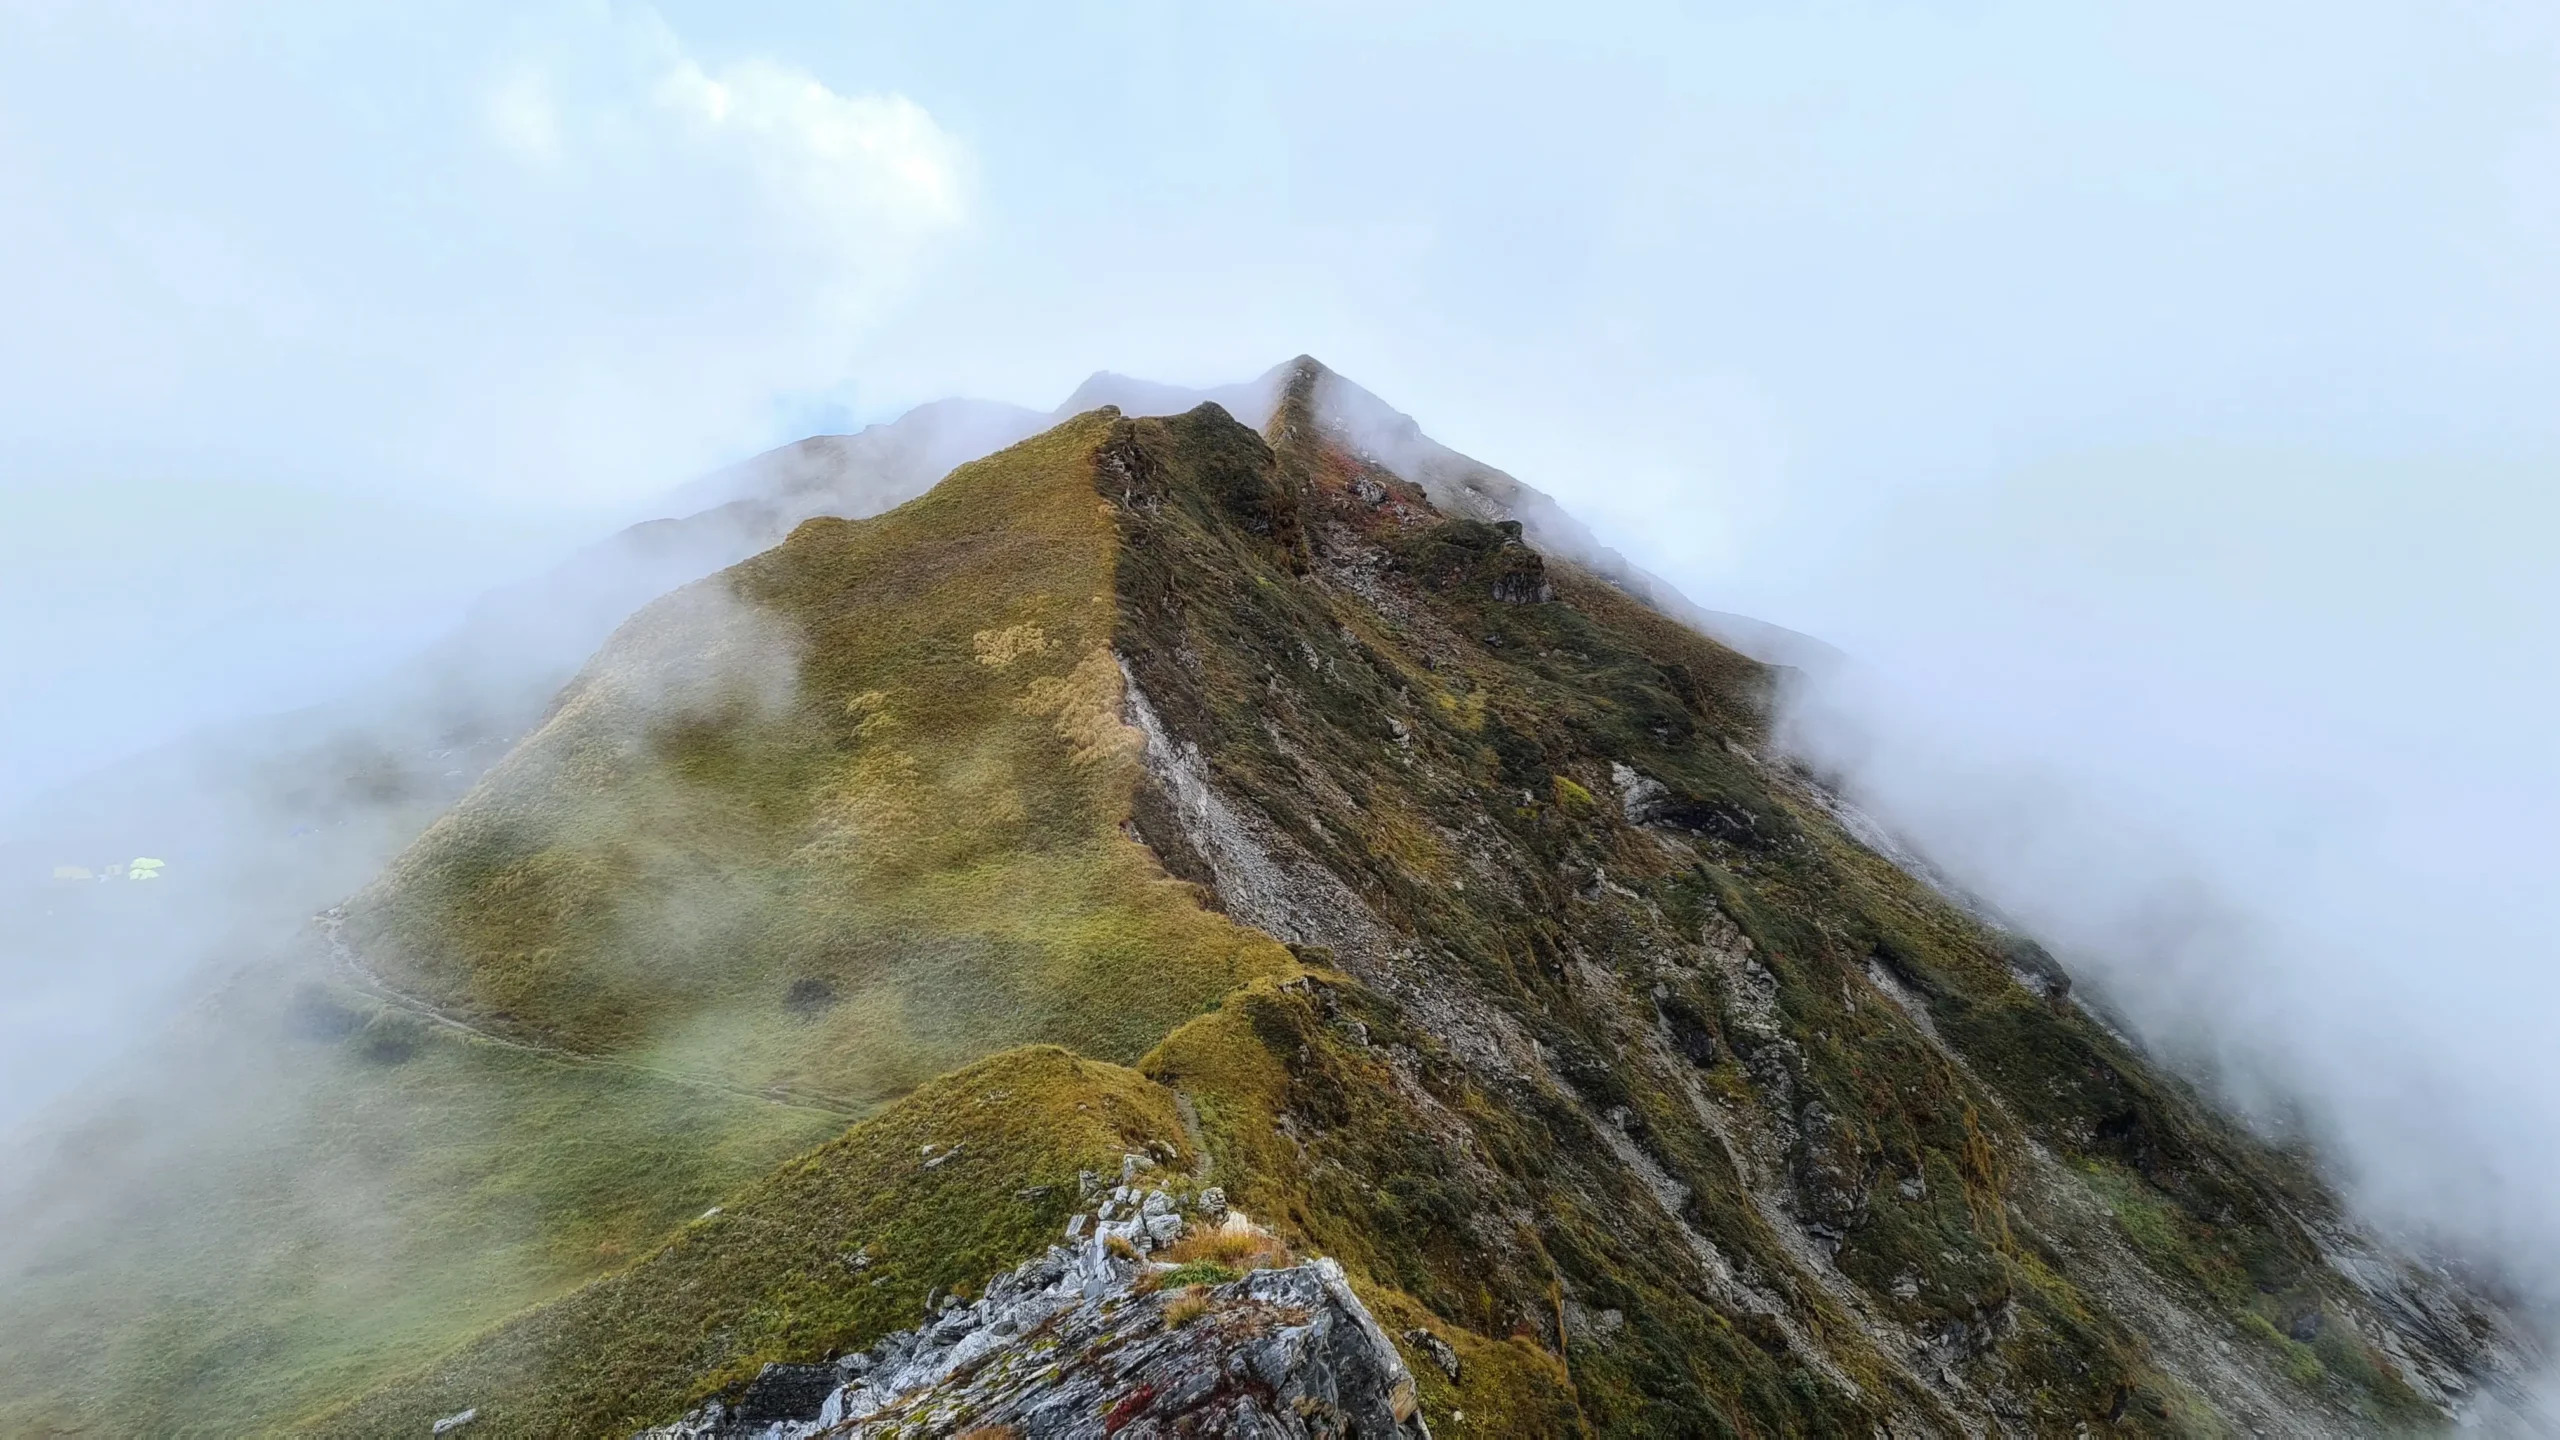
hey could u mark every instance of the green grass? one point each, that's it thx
(837, 821)
(1511, 716)
(353, 1215)
(833, 1250)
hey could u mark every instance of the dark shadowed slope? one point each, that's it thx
(1382, 436)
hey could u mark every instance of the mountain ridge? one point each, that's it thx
(1260, 572)
(1219, 791)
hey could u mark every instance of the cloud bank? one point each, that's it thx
(482, 249)
(321, 324)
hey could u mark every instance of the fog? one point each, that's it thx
(2259, 742)
(2155, 408)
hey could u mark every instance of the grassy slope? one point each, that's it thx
(848, 828)
(773, 1278)
(774, 1275)
(1516, 713)
(346, 1206)
(837, 822)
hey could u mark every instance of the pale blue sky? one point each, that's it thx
(2157, 400)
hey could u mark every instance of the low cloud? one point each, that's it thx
(524, 255)
(2255, 744)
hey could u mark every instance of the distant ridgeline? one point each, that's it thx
(1306, 809)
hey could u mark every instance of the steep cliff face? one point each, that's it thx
(1727, 1111)
(1606, 1063)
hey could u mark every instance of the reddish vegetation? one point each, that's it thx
(1131, 1406)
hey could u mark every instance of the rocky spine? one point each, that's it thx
(1126, 1329)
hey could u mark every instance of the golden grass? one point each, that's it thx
(1186, 1307)
(917, 826)
(1237, 1247)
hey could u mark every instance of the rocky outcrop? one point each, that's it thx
(1107, 1335)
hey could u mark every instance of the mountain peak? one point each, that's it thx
(1446, 884)
(1256, 796)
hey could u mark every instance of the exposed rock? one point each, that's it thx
(1442, 1354)
(1592, 1327)
(1521, 576)
(1079, 1342)
(1641, 798)
(451, 1423)
(785, 1392)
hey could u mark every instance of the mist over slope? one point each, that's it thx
(267, 819)
(2257, 738)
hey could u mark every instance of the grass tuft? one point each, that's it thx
(1186, 1307)
(1195, 1272)
(1230, 1248)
